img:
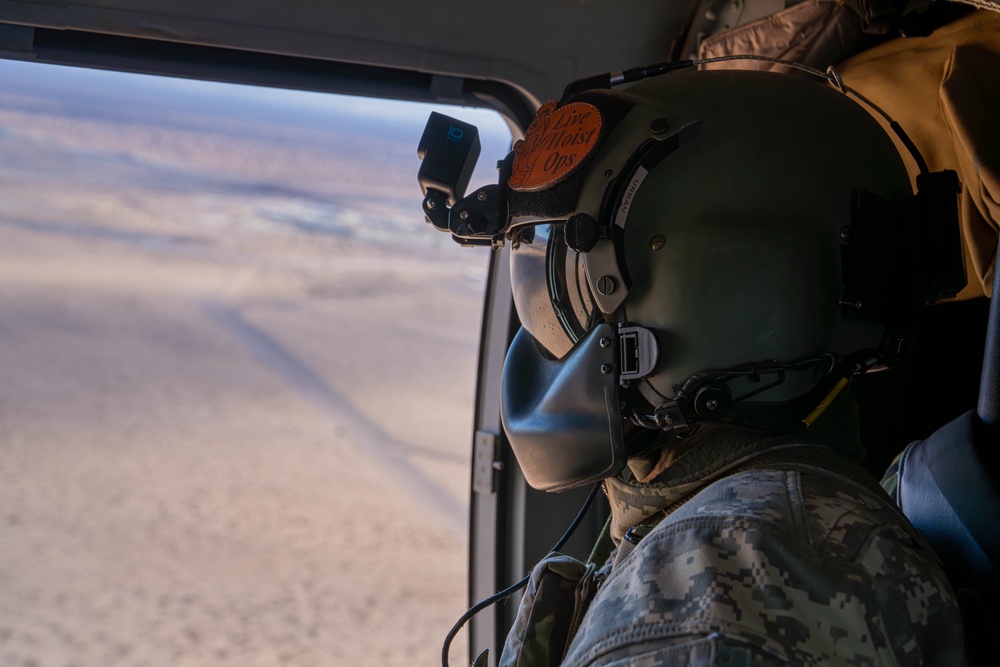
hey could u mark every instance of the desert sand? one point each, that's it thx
(236, 390)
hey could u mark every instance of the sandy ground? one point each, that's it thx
(224, 439)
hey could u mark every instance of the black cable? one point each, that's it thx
(836, 368)
(507, 592)
(609, 79)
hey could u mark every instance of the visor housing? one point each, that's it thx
(551, 293)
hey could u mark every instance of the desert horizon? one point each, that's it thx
(237, 379)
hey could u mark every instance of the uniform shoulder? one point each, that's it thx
(804, 566)
(829, 510)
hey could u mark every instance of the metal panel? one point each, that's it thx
(484, 568)
(484, 463)
(535, 46)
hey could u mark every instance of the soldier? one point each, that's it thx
(693, 308)
(701, 263)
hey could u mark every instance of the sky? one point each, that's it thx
(91, 89)
(358, 155)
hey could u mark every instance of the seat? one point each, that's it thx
(949, 493)
(949, 488)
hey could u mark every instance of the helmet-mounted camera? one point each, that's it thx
(448, 150)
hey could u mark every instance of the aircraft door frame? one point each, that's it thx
(511, 525)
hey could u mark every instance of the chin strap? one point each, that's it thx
(706, 397)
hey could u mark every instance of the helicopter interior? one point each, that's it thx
(511, 57)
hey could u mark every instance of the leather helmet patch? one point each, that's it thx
(557, 142)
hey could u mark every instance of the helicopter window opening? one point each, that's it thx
(236, 379)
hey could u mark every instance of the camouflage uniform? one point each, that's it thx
(779, 562)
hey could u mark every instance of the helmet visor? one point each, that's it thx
(551, 293)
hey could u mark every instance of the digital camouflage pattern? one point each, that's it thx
(789, 566)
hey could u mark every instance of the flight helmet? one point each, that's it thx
(706, 249)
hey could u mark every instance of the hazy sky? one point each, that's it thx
(95, 90)
(343, 165)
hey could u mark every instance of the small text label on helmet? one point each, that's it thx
(633, 187)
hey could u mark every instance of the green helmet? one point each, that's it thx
(706, 247)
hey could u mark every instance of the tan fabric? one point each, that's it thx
(811, 32)
(788, 34)
(944, 90)
(982, 4)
